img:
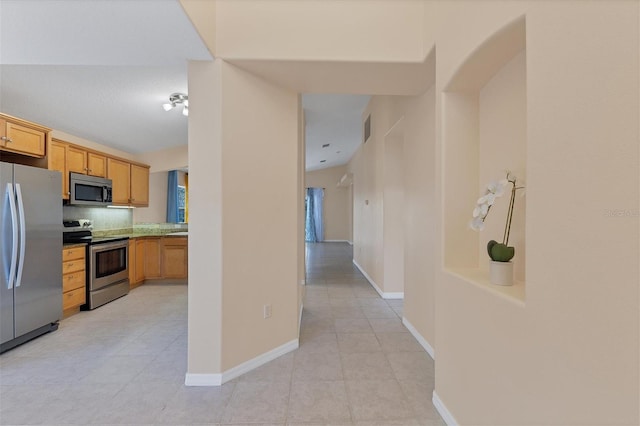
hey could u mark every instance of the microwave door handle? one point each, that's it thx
(23, 235)
(105, 194)
(14, 235)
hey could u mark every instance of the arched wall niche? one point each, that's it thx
(484, 134)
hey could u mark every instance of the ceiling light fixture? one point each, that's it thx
(175, 99)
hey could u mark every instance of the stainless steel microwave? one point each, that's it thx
(89, 190)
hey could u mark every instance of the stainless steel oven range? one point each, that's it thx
(107, 265)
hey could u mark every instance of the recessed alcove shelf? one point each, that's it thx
(484, 134)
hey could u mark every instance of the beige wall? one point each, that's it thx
(420, 215)
(157, 210)
(166, 159)
(394, 172)
(301, 209)
(158, 188)
(230, 211)
(561, 347)
(367, 167)
(92, 145)
(565, 351)
(372, 32)
(205, 222)
(259, 200)
(335, 203)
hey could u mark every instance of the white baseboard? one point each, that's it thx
(256, 362)
(399, 295)
(334, 241)
(382, 294)
(193, 379)
(442, 409)
(303, 282)
(423, 342)
(350, 243)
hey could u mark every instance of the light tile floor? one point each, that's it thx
(125, 362)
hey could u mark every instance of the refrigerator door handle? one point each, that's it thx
(23, 235)
(14, 233)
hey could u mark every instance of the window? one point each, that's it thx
(182, 203)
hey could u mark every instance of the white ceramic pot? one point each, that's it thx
(501, 273)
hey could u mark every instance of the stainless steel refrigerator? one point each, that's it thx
(31, 251)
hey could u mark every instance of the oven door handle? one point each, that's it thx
(98, 247)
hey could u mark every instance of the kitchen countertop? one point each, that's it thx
(136, 235)
(143, 232)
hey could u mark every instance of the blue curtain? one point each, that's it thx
(314, 228)
(172, 197)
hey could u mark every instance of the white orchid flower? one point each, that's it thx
(494, 190)
(477, 224)
(497, 187)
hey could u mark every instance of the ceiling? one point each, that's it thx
(335, 120)
(102, 69)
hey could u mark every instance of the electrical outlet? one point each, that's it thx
(267, 311)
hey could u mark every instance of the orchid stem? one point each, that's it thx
(507, 226)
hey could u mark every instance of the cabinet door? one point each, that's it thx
(139, 260)
(24, 140)
(174, 257)
(76, 160)
(152, 259)
(3, 130)
(96, 164)
(139, 186)
(132, 261)
(120, 174)
(57, 160)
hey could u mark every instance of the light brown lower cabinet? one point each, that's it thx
(174, 257)
(73, 279)
(156, 258)
(152, 258)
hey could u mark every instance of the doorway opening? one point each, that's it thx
(313, 223)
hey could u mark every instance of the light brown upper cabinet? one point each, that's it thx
(66, 157)
(22, 137)
(76, 159)
(79, 160)
(96, 165)
(120, 174)
(139, 185)
(130, 183)
(57, 160)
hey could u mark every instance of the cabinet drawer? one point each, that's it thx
(73, 298)
(72, 266)
(73, 253)
(73, 280)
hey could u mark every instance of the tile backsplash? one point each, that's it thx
(103, 218)
(108, 221)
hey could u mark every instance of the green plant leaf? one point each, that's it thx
(502, 253)
(490, 244)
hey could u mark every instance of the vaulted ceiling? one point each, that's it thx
(102, 69)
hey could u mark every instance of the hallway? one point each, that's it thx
(354, 342)
(124, 363)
